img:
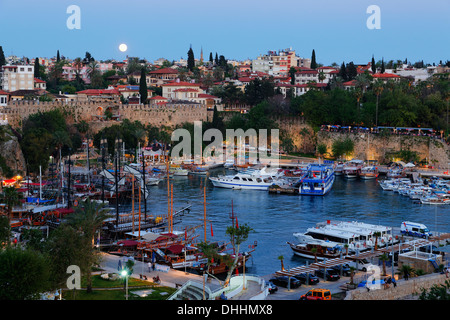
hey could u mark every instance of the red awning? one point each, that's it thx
(176, 248)
(128, 243)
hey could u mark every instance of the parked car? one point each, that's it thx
(272, 288)
(345, 269)
(331, 274)
(283, 281)
(303, 279)
(317, 294)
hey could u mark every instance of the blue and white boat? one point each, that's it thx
(317, 181)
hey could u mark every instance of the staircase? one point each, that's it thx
(191, 290)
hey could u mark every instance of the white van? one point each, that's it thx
(361, 265)
(415, 229)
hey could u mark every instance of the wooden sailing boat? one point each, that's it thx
(222, 266)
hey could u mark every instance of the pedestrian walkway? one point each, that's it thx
(171, 278)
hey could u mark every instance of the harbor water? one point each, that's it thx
(275, 217)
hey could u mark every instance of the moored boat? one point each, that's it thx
(369, 172)
(318, 180)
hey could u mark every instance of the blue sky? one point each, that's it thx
(238, 29)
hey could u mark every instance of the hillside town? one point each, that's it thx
(204, 81)
(91, 184)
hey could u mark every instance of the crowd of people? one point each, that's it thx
(426, 132)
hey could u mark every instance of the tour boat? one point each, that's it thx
(356, 235)
(319, 250)
(369, 172)
(318, 180)
(243, 181)
(352, 169)
(338, 168)
(178, 171)
(248, 179)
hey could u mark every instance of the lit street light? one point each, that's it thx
(124, 273)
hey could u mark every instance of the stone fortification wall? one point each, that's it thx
(170, 114)
(403, 290)
(379, 147)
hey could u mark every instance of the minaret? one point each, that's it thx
(201, 54)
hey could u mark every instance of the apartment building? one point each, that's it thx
(17, 77)
(277, 63)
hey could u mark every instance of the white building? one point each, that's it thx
(278, 63)
(17, 77)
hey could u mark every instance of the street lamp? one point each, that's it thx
(124, 273)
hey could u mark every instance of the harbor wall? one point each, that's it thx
(378, 147)
(404, 289)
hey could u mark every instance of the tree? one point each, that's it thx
(37, 73)
(216, 59)
(313, 60)
(351, 71)
(211, 58)
(24, 274)
(190, 59)
(2, 57)
(373, 65)
(88, 218)
(281, 258)
(321, 149)
(88, 58)
(343, 72)
(11, 197)
(5, 231)
(292, 72)
(58, 58)
(382, 66)
(384, 257)
(378, 87)
(143, 86)
(238, 235)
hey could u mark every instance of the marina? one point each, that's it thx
(332, 222)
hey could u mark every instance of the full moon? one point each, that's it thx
(123, 47)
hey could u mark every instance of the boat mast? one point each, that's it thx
(145, 187)
(117, 182)
(204, 211)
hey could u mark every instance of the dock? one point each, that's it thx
(284, 190)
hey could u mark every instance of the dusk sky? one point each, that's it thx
(336, 29)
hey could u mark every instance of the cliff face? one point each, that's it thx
(12, 155)
(376, 147)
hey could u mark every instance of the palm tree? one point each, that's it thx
(88, 218)
(376, 235)
(11, 197)
(384, 257)
(352, 274)
(281, 259)
(78, 65)
(61, 138)
(378, 87)
(346, 249)
(314, 251)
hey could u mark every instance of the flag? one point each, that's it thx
(185, 234)
(237, 225)
(212, 233)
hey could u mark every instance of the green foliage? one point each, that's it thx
(321, 149)
(23, 275)
(143, 86)
(437, 292)
(342, 148)
(5, 231)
